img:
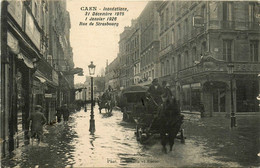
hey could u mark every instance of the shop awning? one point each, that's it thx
(41, 79)
(26, 60)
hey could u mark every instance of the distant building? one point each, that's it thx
(112, 74)
(85, 92)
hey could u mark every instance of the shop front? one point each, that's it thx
(208, 85)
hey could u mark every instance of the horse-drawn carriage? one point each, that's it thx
(139, 107)
(107, 102)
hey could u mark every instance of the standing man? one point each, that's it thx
(38, 120)
(58, 114)
(66, 113)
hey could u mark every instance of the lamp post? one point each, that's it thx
(230, 72)
(85, 99)
(258, 97)
(91, 68)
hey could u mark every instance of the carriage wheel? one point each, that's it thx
(139, 134)
(124, 116)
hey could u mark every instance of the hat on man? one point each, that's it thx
(38, 107)
(155, 81)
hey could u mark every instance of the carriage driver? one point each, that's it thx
(155, 91)
(170, 117)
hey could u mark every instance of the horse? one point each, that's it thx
(106, 104)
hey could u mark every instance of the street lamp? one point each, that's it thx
(91, 68)
(85, 99)
(258, 97)
(230, 72)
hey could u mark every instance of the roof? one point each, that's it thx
(135, 89)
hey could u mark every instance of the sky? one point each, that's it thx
(98, 43)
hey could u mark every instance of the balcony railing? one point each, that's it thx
(239, 68)
(218, 24)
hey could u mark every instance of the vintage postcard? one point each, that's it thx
(130, 83)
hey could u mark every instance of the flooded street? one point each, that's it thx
(113, 145)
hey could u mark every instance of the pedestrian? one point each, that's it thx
(38, 120)
(155, 91)
(170, 119)
(66, 113)
(59, 114)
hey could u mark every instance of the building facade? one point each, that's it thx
(193, 45)
(149, 43)
(112, 73)
(195, 58)
(29, 75)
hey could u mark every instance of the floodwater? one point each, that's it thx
(113, 144)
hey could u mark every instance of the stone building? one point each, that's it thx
(199, 42)
(139, 49)
(112, 74)
(149, 42)
(122, 55)
(30, 43)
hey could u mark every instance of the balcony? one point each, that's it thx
(229, 25)
(219, 66)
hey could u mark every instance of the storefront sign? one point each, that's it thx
(32, 31)
(48, 95)
(195, 85)
(238, 67)
(12, 42)
(246, 67)
(15, 10)
(55, 77)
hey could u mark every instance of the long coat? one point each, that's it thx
(156, 93)
(38, 120)
(66, 113)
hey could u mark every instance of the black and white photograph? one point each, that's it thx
(129, 83)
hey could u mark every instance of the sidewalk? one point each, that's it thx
(240, 144)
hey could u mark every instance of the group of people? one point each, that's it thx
(64, 112)
(37, 120)
(168, 110)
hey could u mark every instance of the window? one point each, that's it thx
(203, 13)
(162, 69)
(179, 62)
(203, 48)
(187, 60)
(179, 32)
(254, 51)
(173, 11)
(227, 11)
(167, 67)
(167, 18)
(251, 12)
(173, 36)
(162, 22)
(227, 52)
(186, 27)
(173, 65)
(194, 54)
